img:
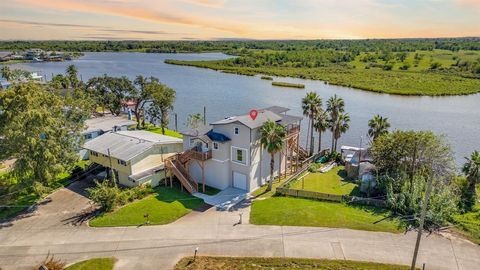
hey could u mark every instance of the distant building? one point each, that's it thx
(135, 157)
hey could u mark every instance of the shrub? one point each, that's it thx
(39, 189)
(105, 195)
(466, 197)
(110, 197)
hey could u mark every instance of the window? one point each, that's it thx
(93, 153)
(192, 141)
(215, 146)
(236, 130)
(239, 155)
(121, 162)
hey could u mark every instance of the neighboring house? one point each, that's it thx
(229, 154)
(135, 157)
(103, 124)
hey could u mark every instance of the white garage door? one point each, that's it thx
(239, 180)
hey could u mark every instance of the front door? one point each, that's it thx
(239, 180)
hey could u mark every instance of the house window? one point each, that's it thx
(239, 155)
(215, 146)
(93, 153)
(121, 162)
(192, 141)
(236, 130)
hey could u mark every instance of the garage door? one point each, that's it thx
(239, 180)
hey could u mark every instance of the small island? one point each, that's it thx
(286, 84)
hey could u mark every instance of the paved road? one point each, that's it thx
(26, 241)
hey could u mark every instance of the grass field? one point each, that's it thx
(331, 182)
(166, 206)
(234, 263)
(419, 79)
(93, 264)
(301, 212)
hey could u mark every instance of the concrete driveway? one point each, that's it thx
(52, 229)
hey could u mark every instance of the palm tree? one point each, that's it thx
(272, 138)
(472, 170)
(311, 105)
(341, 126)
(378, 126)
(320, 125)
(72, 74)
(335, 106)
(6, 73)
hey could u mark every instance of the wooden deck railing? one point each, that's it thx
(202, 156)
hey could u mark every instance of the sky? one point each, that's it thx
(236, 19)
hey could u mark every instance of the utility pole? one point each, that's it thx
(112, 176)
(422, 220)
(176, 127)
(204, 115)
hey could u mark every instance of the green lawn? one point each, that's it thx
(331, 182)
(168, 132)
(93, 264)
(166, 206)
(245, 263)
(302, 212)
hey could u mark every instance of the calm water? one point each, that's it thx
(458, 118)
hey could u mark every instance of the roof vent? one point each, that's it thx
(230, 117)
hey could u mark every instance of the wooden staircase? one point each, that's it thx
(179, 170)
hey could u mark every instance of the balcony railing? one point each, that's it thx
(201, 155)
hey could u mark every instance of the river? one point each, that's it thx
(457, 117)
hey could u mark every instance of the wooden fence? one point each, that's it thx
(306, 194)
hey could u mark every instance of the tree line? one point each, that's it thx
(366, 45)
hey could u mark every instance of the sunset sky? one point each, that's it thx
(229, 19)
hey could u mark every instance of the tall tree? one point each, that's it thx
(412, 153)
(6, 73)
(110, 92)
(472, 170)
(140, 95)
(311, 105)
(377, 126)
(35, 130)
(72, 75)
(163, 98)
(341, 126)
(321, 125)
(272, 137)
(335, 106)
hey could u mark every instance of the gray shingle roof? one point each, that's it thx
(125, 145)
